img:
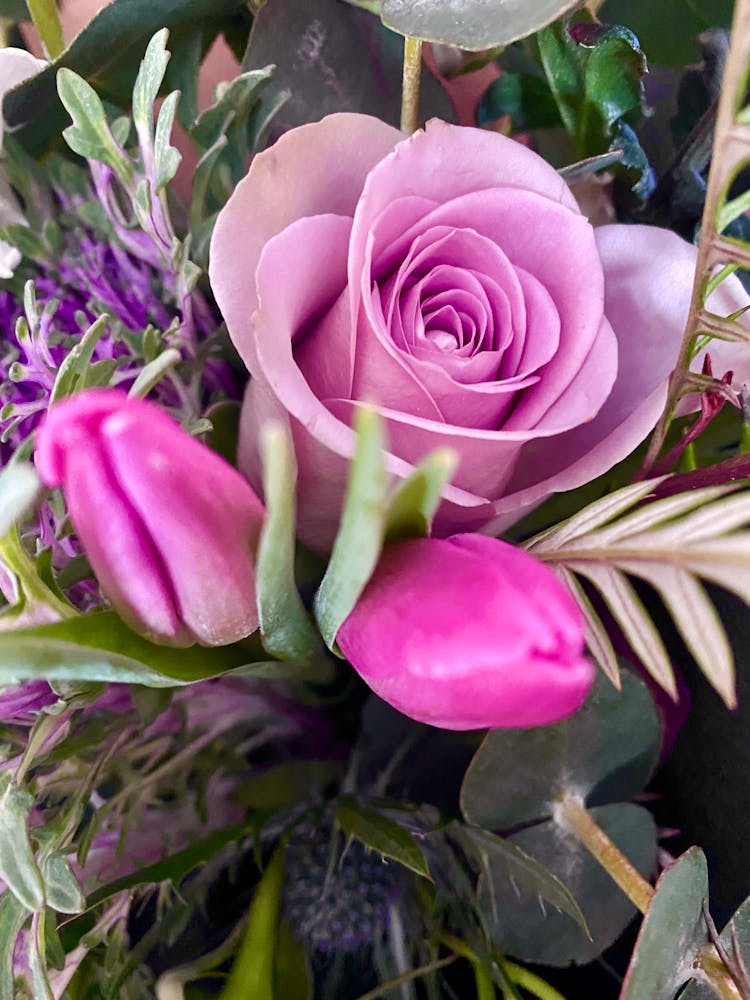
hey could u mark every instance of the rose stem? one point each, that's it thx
(46, 20)
(571, 815)
(410, 85)
(729, 134)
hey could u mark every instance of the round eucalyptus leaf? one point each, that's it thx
(606, 752)
(522, 925)
(672, 931)
(472, 24)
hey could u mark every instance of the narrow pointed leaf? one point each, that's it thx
(360, 536)
(382, 835)
(413, 505)
(19, 488)
(18, 867)
(597, 640)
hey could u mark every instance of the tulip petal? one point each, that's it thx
(200, 512)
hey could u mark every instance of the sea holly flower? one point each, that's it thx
(450, 280)
(468, 632)
(170, 528)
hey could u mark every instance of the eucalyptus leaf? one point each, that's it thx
(18, 867)
(472, 24)
(287, 629)
(100, 647)
(252, 974)
(523, 926)
(19, 489)
(737, 932)
(672, 932)
(606, 751)
(360, 535)
(382, 835)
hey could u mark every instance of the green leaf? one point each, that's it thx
(61, 887)
(668, 30)
(502, 861)
(378, 833)
(19, 489)
(472, 24)
(360, 536)
(110, 67)
(286, 784)
(596, 80)
(13, 915)
(76, 362)
(413, 505)
(607, 751)
(672, 931)
(167, 158)
(89, 135)
(18, 867)
(252, 974)
(287, 629)
(149, 79)
(526, 98)
(100, 647)
(520, 926)
(293, 978)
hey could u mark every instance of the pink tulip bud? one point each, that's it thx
(170, 529)
(469, 632)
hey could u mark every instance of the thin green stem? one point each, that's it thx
(408, 977)
(46, 20)
(410, 85)
(530, 982)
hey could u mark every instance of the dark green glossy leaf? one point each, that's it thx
(595, 74)
(606, 751)
(472, 24)
(252, 974)
(109, 68)
(527, 99)
(672, 931)
(535, 932)
(668, 29)
(378, 833)
(331, 57)
(100, 647)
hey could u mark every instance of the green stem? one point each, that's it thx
(408, 977)
(410, 85)
(46, 20)
(530, 982)
(482, 979)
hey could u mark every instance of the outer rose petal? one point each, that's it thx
(297, 177)
(648, 276)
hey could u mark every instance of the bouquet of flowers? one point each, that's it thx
(374, 547)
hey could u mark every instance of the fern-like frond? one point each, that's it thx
(671, 544)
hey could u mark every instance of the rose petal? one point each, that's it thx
(291, 180)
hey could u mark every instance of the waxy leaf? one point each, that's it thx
(360, 535)
(13, 915)
(737, 932)
(522, 926)
(607, 750)
(472, 24)
(672, 931)
(18, 867)
(382, 835)
(61, 887)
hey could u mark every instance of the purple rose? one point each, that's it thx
(170, 529)
(469, 632)
(451, 280)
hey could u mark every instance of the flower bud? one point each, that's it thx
(468, 632)
(170, 529)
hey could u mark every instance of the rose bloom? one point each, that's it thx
(451, 280)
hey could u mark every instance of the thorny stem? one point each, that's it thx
(410, 85)
(572, 816)
(729, 140)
